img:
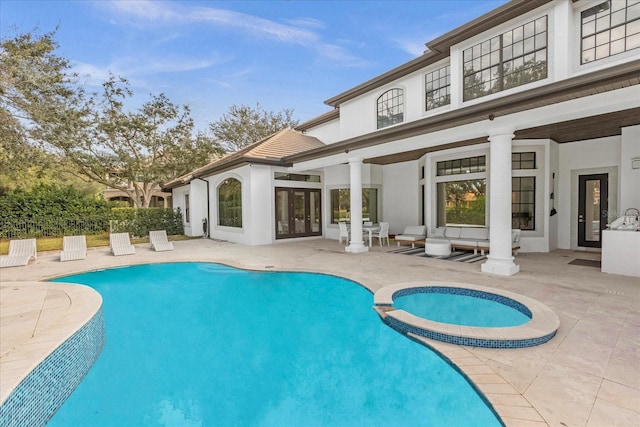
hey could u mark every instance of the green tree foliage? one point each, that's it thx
(35, 87)
(48, 120)
(243, 125)
(132, 151)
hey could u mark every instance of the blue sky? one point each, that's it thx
(214, 54)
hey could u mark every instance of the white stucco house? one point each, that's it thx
(527, 117)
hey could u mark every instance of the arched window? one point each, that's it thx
(230, 203)
(390, 108)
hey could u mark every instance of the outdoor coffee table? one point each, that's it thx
(437, 247)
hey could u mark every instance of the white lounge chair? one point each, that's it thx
(73, 248)
(20, 253)
(159, 241)
(121, 244)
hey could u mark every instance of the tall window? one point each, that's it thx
(610, 28)
(187, 213)
(390, 108)
(513, 58)
(230, 203)
(523, 202)
(523, 192)
(438, 88)
(341, 205)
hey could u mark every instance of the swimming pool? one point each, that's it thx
(193, 344)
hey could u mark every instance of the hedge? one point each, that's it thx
(52, 211)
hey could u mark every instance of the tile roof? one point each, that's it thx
(270, 150)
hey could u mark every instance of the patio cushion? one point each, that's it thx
(452, 232)
(480, 233)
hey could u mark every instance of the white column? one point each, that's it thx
(499, 261)
(355, 185)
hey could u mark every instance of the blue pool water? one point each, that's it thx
(459, 309)
(194, 344)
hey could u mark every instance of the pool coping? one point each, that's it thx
(543, 324)
(84, 304)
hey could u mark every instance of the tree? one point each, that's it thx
(243, 125)
(130, 151)
(34, 84)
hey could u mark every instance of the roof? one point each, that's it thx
(319, 120)
(270, 150)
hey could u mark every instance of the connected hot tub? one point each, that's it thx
(465, 314)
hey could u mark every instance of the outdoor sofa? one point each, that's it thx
(472, 238)
(412, 234)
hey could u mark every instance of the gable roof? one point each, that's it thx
(268, 151)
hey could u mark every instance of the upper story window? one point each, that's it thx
(512, 59)
(438, 88)
(390, 108)
(230, 203)
(610, 28)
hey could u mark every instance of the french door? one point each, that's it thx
(592, 209)
(298, 212)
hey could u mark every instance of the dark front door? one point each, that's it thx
(592, 209)
(297, 213)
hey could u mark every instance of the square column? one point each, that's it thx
(500, 261)
(356, 243)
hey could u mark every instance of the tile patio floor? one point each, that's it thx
(588, 375)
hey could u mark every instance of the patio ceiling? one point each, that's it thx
(599, 126)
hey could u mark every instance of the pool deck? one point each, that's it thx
(587, 375)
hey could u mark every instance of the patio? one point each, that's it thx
(588, 375)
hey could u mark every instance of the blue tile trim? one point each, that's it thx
(466, 292)
(37, 398)
(403, 328)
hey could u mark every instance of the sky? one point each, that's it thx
(211, 55)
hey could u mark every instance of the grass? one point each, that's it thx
(44, 244)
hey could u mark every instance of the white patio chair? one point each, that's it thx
(382, 234)
(121, 244)
(20, 253)
(73, 248)
(159, 241)
(344, 232)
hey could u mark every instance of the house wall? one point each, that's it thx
(252, 231)
(580, 158)
(629, 178)
(197, 191)
(401, 201)
(554, 176)
(326, 132)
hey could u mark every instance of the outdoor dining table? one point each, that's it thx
(369, 228)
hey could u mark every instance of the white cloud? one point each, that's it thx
(298, 32)
(414, 46)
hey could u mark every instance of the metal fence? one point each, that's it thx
(29, 228)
